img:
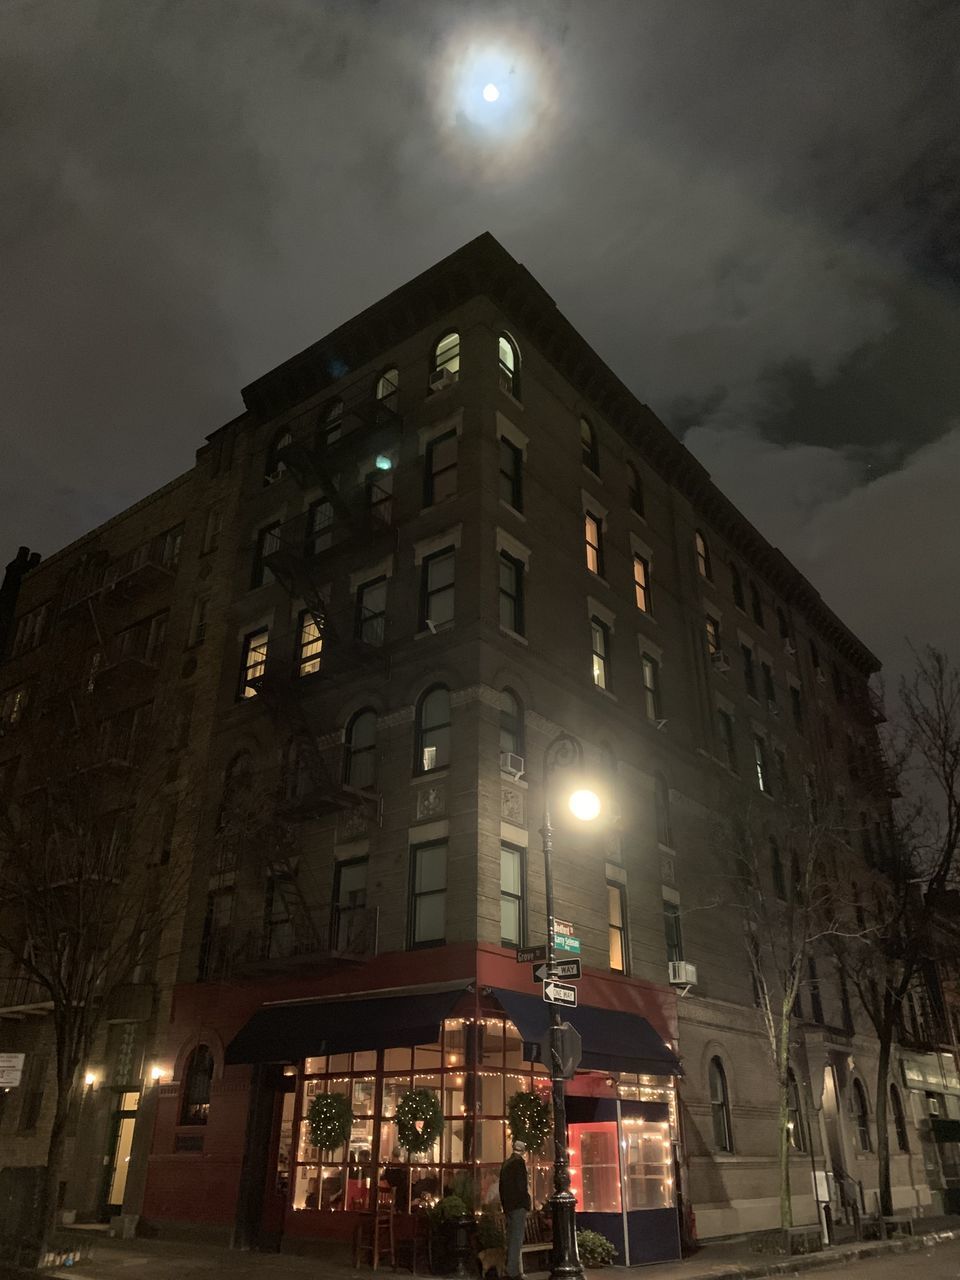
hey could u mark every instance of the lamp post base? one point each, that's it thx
(565, 1260)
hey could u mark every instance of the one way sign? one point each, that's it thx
(559, 969)
(560, 993)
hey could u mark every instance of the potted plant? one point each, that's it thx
(595, 1250)
(454, 1223)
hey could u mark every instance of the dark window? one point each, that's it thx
(861, 1115)
(309, 644)
(813, 982)
(593, 534)
(652, 701)
(764, 781)
(211, 531)
(617, 918)
(589, 450)
(636, 489)
(298, 771)
(440, 469)
(371, 611)
(511, 593)
(776, 869)
(509, 366)
(600, 647)
(253, 661)
(783, 781)
(195, 1099)
(275, 465)
(268, 541)
(320, 522)
(756, 605)
(330, 426)
(899, 1119)
(641, 583)
(749, 671)
(360, 756)
(720, 1107)
(783, 629)
(702, 547)
(736, 583)
(511, 723)
(796, 708)
(769, 688)
(433, 730)
(348, 927)
(815, 659)
(437, 589)
(446, 355)
(428, 894)
(728, 738)
(511, 474)
(661, 802)
(511, 895)
(794, 1114)
(278, 931)
(378, 491)
(839, 685)
(671, 927)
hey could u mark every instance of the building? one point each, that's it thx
(431, 542)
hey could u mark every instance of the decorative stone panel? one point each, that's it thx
(511, 806)
(431, 802)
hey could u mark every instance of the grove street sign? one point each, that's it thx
(559, 969)
(560, 993)
(526, 955)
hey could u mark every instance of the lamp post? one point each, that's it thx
(563, 752)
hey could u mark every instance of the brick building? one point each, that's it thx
(432, 541)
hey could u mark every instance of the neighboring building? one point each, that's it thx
(432, 541)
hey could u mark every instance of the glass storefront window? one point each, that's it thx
(648, 1163)
(396, 1059)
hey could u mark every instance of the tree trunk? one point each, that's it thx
(783, 1151)
(47, 1217)
(883, 1138)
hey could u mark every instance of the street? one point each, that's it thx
(940, 1263)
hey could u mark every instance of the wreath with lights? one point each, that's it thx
(419, 1120)
(528, 1118)
(329, 1120)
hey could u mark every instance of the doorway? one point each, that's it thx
(123, 1122)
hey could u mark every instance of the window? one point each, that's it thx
(433, 730)
(278, 931)
(839, 685)
(671, 927)
(275, 465)
(815, 660)
(253, 662)
(511, 895)
(749, 670)
(511, 593)
(641, 583)
(635, 496)
(756, 605)
(378, 492)
(661, 805)
(387, 388)
(589, 450)
(600, 645)
(720, 1107)
(511, 723)
(31, 630)
(195, 1099)
(783, 629)
(776, 870)
(428, 893)
(714, 643)
(437, 589)
(794, 1114)
(617, 918)
(348, 926)
(796, 708)
(704, 567)
(309, 644)
(440, 469)
(816, 1004)
(198, 624)
(736, 585)
(650, 672)
(13, 705)
(769, 689)
(509, 366)
(211, 531)
(170, 544)
(764, 781)
(268, 540)
(446, 355)
(593, 534)
(899, 1119)
(360, 755)
(728, 739)
(371, 611)
(331, 423)
(783, 781)
(511, 474)
(861, 1116)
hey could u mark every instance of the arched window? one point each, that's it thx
(275, 465)
(720, 1107)
(330, 426)
(446, 356)
(511, 723)
(433, 729)
(662, 805)
(899, 1119)
(589, 450)
(636, 489)
(704, 567)
(861, 1115)
(195, 1098)
(388, 385)
(360, 757)
(794, 1114)
(509, 366)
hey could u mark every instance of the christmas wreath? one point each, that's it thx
(419, 1120)
(329, 1119)
(528, 1117)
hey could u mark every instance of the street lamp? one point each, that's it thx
(563, 752)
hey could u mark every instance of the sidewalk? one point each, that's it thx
(168, 1260)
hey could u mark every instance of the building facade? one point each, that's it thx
(429, 544)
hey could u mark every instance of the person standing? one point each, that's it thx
(515, 1201)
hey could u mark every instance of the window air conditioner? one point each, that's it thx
(441, 378)
(511, 763)
(719, 660)
(681, 973)
(933, 1106)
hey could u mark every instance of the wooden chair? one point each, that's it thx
(382, 1241)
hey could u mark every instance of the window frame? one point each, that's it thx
(351, 751)
(509, 374)
(591, 518)
(519, 898)
(511, 722)
(514, 600)
(651, 689)
(728, 737)
(422, 730)
(259, 570)
(194, 1111)
(589, 446)
(756, 606)
(428, 593)
(431, 472)
(362, 620)
(244, 692)
(617, 891)
(795, 1130)
(438, 362)
(901, 1132)
(762, 764)
(339, 910)
(274, 468)
(601, 656)
(635, 491)
(305, 659)
(720, 1106)
(673, 931)
(702, 553)
(641, 584)
(511, 479)
(736, 589)
(413, 943)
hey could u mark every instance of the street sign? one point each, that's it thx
(562, 928)
(569, 969)
(570, 1050)
(526, 955)
(560, 993)
(11, 1069)
(564, 943)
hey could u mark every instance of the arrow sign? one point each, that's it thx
(560, 993)
(559, 969)
(527, 954)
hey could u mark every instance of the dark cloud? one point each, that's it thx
(750, 210)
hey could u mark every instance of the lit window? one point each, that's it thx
(433, 730)
(446, 354)
(511, 593)
(13, 704)
(589, 450)
(636, 490)
(275, 465)
(440, 469)
(371, 611)
(511, 895)
(388, 386)
(360, 756)
(428, 906)
(511, 474)
(703, 556)
(509, 366)
(641, 583)
(713, 635)
(310, 644)
(727, 738)
(600, 644)
(617, 926)
(650, 670)
(761, 764)
(671, 928)
(720, 1107)
(254, 661)
(437, 589)
(593, 533)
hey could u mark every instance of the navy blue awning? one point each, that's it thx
(612, 1041)
(297, 1029)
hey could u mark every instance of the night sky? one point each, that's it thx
(751, 210)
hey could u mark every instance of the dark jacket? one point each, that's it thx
(514, 1193)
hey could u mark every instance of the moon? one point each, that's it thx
(490, 93)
